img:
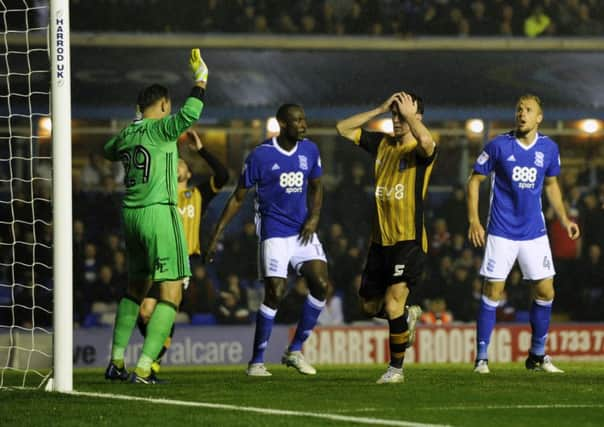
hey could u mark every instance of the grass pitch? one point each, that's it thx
(337, 396)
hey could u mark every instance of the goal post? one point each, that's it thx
(60, 94)
(36, 296)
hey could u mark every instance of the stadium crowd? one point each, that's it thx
(529, 18)
(227, 291)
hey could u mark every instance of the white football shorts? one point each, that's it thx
(534, 257)
(277, 252)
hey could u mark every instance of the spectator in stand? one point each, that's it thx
(232, 307)
(565, 252)
(458, 292)
(354, 22)
(201, 295)
(590, 278)
(538, 23)
(90, 265)
(456, 23)
(105, 288)
(328, 21)
(457, 246)
(239, 246)
(509, 24)
(454, 210)
(410, 17)
(592, 172)
(436, 313)
(91, 173)
(522, 10)
(480, 23)
(308, 24)
(285, 24)
(351, 305)
(352, 201)
(592, 218)
(568, 15)
(119, 267)
(441, 238)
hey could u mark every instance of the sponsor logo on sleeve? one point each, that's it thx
(482, 159)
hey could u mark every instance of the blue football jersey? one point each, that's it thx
(281, 181)
(517, 175)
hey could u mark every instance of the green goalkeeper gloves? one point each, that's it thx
(198, 67)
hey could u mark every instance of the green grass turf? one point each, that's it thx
(438, 394)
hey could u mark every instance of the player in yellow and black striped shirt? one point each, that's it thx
(403, 165)
(192, 203)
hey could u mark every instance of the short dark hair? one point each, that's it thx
(284, 109)
(420, 102)
(150, 95)
(416, 98)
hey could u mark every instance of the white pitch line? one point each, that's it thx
(343, 418)
(488, 407)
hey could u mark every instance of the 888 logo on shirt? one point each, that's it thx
(524, 176)
(291, 181)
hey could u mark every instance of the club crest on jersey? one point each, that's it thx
(303, 162)
(539, 156)
(188, 194)
(482, 159)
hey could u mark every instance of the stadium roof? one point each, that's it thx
(332, 81)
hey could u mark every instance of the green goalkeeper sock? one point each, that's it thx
(125, 320)
(158, 330)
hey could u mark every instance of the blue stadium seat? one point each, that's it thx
(91, 320)
(203, 319)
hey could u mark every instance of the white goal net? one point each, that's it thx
(26, 213)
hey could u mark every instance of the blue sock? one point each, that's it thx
(310, 313)
(264, 327)
(484, 326)
(540, 315)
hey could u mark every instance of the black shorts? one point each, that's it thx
(388, 265)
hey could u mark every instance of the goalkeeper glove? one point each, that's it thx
(198, 67)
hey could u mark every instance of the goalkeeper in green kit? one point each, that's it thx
(155, 242)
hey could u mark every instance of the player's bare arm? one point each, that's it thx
(221, 174)
(194, 140)
(315, 201)
(407, 107)
(476, 233)
(233, 206)
(348, 127)
(554, 196)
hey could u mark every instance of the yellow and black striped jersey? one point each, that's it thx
(401, 183)
(192, 202)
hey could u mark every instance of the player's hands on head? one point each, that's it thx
(385, 107)
(405, 104)
(194, 140)
(198, 67)
(476, 234)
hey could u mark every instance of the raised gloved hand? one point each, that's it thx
(198, 67)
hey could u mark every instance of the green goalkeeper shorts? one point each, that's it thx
(156, 248)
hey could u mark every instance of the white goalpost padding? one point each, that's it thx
(60, 69)
(36, 326)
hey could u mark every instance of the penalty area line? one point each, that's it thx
(540, 406)
(268, 411)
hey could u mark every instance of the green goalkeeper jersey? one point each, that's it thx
(148, 149)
